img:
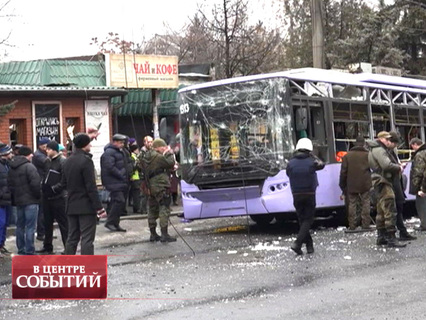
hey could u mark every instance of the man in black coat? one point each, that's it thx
(24, 183)
(115, 178)
(5, 195)
(398, 189)
(53, 197)
(38, 161)
(84, 205)
(301, 171)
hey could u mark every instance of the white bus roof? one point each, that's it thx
(331, 76)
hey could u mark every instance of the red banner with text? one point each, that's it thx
(59, 277)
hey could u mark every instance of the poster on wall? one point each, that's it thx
(47, 122)
(97, 116)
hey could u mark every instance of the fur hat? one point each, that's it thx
(81, 140)
(384, 134)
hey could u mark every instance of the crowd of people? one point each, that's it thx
(370, 170)
(48, 185)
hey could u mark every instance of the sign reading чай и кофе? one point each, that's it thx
(142, 71)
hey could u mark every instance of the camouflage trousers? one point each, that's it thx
(359, 203)
(385, 206)
(159, 208)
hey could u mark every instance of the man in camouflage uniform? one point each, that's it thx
(158, 163)
(146, 148)
(383, 172)
(418, 179)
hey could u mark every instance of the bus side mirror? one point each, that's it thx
(301, 119)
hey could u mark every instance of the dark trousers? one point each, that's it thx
(54, 209)
(135, 195)
(117, 207)
(399, 203)
(305, 208)
(40, 221)
(4, 219)
(400, 218)
(82, 226)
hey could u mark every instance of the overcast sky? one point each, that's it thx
(43, 29)
(58, 28)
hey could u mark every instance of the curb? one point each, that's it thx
(11, 230)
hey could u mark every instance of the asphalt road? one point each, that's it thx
(233, 269)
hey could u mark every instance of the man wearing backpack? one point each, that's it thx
(303, 182)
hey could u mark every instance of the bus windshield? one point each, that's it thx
(234, 132)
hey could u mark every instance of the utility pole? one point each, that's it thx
(317, 34)
(155, 104)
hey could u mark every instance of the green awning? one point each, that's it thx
(138, 102)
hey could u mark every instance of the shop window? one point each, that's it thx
(17, 132)
(72, 127)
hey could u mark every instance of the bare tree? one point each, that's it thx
(5, 34)
(241, 49)
(224, 38)
(113, 44)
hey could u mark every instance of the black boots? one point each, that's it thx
(165, 237)
(154, 236)
(381, 237)
(296, 248)
(405, 236)
(309, 248)
(392, 241)
(388, 238)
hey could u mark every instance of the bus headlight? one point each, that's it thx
(278, 187)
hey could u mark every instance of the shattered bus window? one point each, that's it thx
(243, 129)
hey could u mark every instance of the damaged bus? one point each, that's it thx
(237, 136)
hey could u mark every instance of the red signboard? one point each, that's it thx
(59, 277)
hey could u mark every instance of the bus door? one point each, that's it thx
(316, 129)
(310, 123)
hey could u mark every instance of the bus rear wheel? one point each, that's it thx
(262, 219)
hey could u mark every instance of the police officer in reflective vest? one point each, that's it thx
(159, 161)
